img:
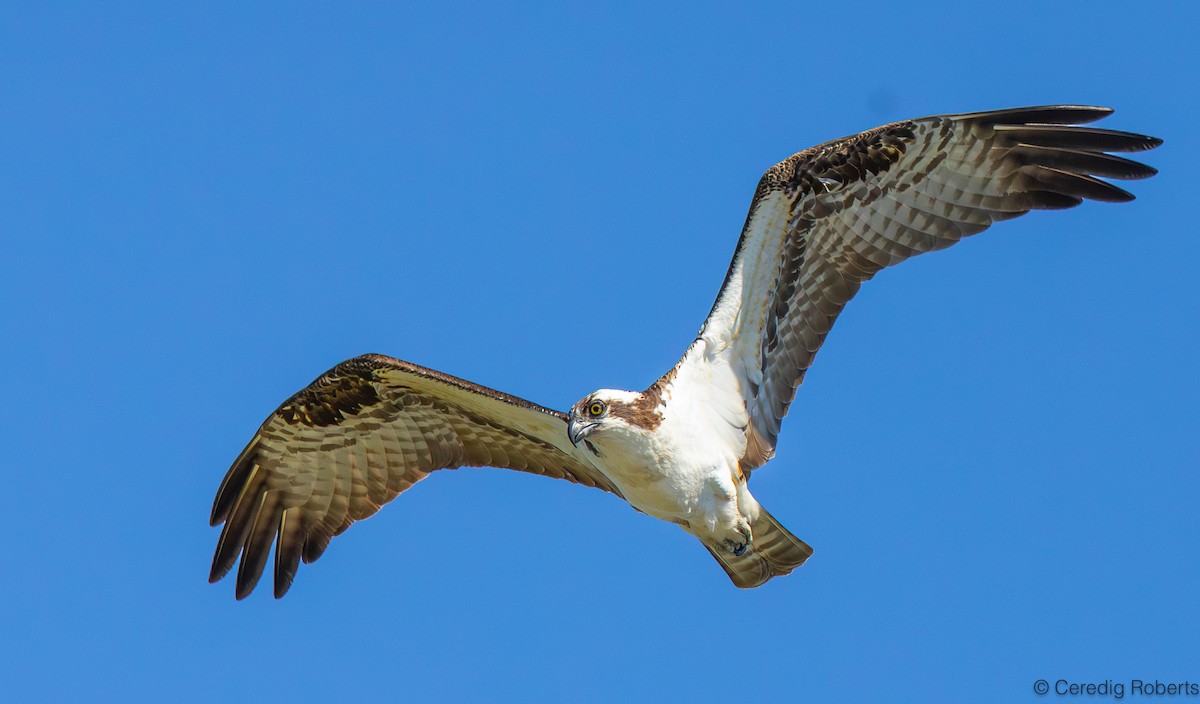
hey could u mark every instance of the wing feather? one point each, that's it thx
(829, 218)
(289, 546)
(357, 437)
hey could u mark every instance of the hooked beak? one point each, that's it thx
(578, 430)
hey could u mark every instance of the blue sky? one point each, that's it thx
(205, 206)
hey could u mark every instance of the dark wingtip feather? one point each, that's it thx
(221, 564)
(259, 541)
(289, 547)
(1067, 137)
(1083, 162)
(315, 543)
(232, 483)
(1081, 186)
(217, 572)
(1051, 200)
(1061, 161)
(1042, 114)
(239, 520)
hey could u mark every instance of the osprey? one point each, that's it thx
(821, 222)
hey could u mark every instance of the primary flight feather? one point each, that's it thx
(821, 222)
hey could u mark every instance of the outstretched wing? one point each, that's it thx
(355, 438)
(830, 217)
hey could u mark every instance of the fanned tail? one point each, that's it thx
(774, 552)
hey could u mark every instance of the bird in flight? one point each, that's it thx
(821, 222)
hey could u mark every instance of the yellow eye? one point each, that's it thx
(596, 409)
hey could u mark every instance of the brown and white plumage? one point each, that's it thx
(830, 217)
(821, 223)
(357, 437)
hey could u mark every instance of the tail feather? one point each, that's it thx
(773, 552)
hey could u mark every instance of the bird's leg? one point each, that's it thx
(732, 529)
(738, 545)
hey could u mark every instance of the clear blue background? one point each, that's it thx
(205, 206)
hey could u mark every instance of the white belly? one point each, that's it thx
(684, 469)
(691, 489)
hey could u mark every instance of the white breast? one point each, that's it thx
(683, 470)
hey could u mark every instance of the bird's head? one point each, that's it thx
(607, 410)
